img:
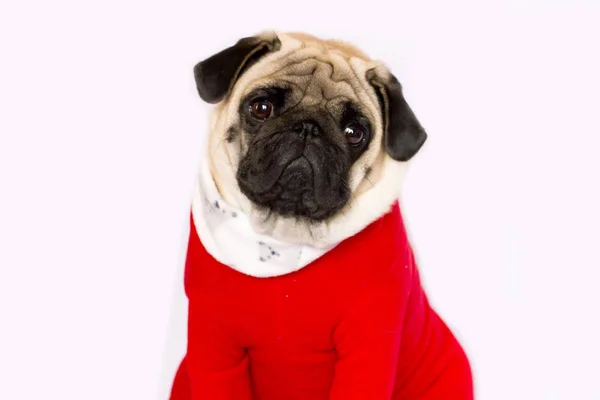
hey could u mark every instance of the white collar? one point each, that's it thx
(227, 235)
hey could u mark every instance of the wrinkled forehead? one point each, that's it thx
(314, 75)
(316, 82)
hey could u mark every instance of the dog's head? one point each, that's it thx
(303, 128)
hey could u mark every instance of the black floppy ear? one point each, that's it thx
(216, 75)
(403, 135)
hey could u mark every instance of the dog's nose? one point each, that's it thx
(307, 128)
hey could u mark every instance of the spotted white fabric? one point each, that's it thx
(227, 235)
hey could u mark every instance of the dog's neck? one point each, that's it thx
(261, 244)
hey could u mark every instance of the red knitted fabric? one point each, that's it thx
(353, 325)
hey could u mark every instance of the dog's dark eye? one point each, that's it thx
(261, 109)
(355, 134)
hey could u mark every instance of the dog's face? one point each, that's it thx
(301, 133)
(304, 124)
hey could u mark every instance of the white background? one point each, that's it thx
(100, 139)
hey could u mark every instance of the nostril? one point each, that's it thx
(314, 130)
(298, 127)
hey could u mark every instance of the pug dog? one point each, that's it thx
(301, 281)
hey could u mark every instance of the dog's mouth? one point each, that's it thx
(298, 182)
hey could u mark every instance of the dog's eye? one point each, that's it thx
(354, 134)
(261, 109)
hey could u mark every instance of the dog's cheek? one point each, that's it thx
(233, 134)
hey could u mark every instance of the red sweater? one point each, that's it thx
(353, 325)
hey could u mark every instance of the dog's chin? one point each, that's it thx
(294, 194)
